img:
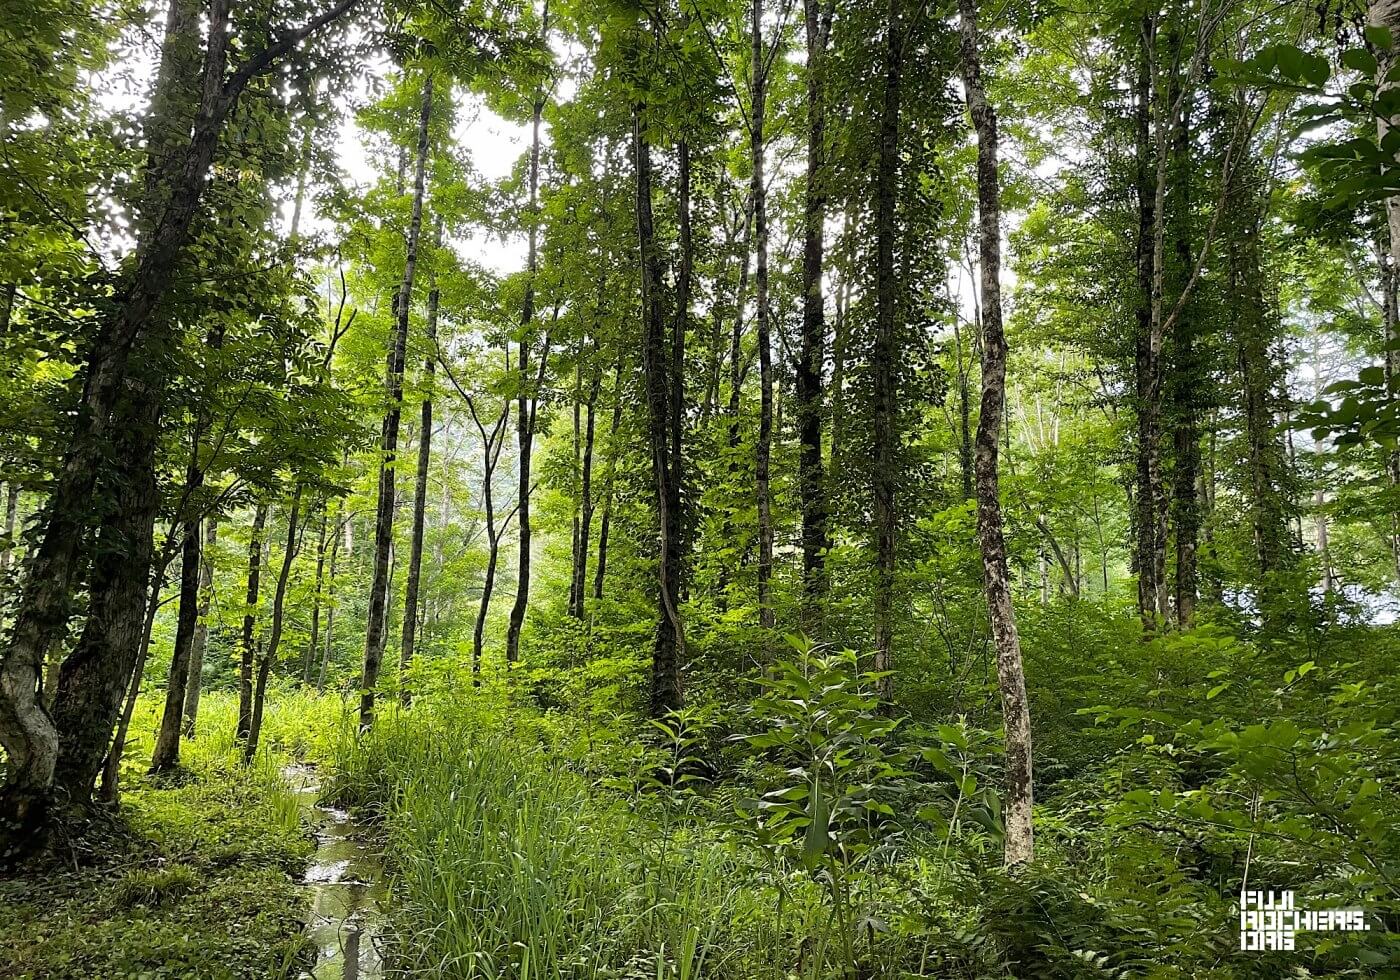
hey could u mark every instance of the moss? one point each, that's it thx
(190, 880)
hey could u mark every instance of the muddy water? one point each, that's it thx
(345, 882)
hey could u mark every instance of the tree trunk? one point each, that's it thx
(1147, 368)
(605, 522)
(1019, 841)
(525, 404)
(586, 503)
(1186, 387)
(330, 607)
(314, 644)
(884, 352)
(376, 631)
(167, 750)
(112, 765)
(181, 153)
(758, 192)
(248, 652)
(7, 553)
(812, 355)
(669, 645)
(420, 489)
(274, 639)
(201, 629)
(94, 677)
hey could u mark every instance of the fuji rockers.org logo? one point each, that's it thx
(1269, 920)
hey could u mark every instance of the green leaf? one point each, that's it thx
(1360, 59)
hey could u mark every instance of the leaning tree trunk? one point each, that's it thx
(201, 630)
(376, 630)
(884, 396)
(274, 639)
(1020, 846)
(669, 644)
(763, 450)
(811, 478)
(420, 489)
(182, 141)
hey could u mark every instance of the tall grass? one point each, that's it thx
(512, 864)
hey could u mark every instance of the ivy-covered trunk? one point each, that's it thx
(812, 353)
(884, 456)
(669, 642)
(1020, 840)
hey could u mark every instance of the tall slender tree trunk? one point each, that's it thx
(669, 645)
(586, 501)
(376, 631)
(884, 352)
(274, 639)
(201, 629)
(758, 192)
(525, 403)
(330, 608)
(167, 750)
(1019, 841)
(812, 355)
(1187, 382)
(314, 643)
(1147, 368)
(605, 522)
(248, 648)
(420, 489)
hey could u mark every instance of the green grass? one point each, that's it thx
(511, 863)
(194, 877)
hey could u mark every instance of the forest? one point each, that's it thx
(676, 489)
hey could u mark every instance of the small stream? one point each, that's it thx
(345, 880)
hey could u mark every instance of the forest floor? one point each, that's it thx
(197, 876)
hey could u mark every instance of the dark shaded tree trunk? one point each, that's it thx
(884, 463)
(1019, 841)
(605, 522)
(201, 630)
(586, 503)
(274, 639)
(1187, 383)
(94, 677)
(669, 644)
(758, 193)
(167, 751)
(812, 354)
(248, 648)
(1147, 359)
(420, 491)
(110, 791)
(376, 632)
